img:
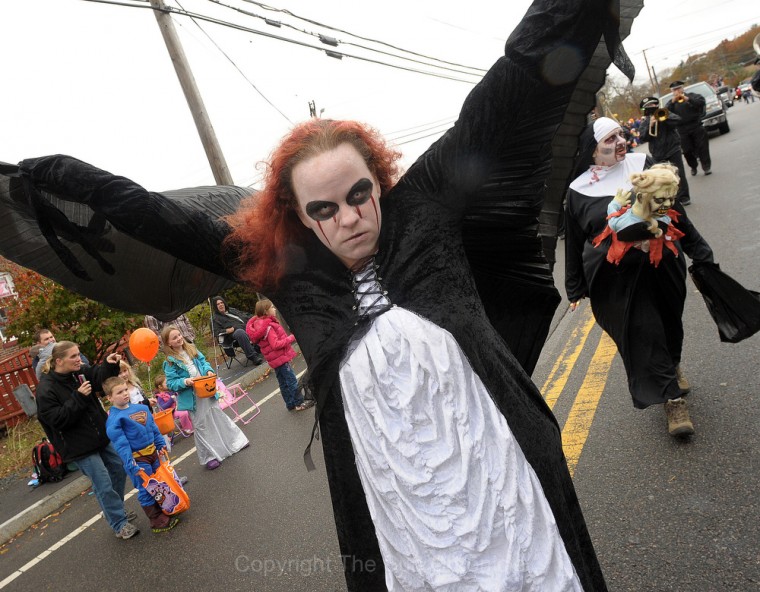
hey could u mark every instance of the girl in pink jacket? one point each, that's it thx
(265, 330)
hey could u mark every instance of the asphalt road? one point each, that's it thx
(665, 515)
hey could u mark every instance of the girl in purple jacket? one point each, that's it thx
(265, 330)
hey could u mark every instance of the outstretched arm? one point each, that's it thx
(95, 233)
(499, 149)
(176, 227)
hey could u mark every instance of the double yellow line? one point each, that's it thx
(578, 424)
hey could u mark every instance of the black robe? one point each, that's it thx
(639, 305)
(458, 246)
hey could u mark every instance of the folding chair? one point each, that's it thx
(230, 399)
(229, 347)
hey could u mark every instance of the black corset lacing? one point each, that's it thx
(324, 374)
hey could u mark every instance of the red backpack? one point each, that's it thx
(48, 464)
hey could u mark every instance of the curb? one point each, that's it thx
(46, 506)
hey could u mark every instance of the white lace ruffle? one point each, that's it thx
(455, 504)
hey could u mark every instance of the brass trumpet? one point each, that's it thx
(680, 99)
(655, 118)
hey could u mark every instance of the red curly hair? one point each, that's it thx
(266, 223)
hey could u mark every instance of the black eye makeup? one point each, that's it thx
(320, 211)
(360, 193)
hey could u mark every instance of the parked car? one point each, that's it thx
(726, 93)
(714, 117)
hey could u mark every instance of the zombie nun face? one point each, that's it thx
(611, 149)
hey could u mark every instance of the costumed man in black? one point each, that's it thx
(395, 286)
(232, 322)
(690, 107)
(664, 140)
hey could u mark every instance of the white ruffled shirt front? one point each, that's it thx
(455, 504)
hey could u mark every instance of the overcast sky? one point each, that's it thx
(95, 81)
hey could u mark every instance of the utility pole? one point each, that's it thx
(192, 95)
(656, 82)
(649, 71)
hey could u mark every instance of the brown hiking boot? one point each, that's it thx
(679, 423)
(683, 382)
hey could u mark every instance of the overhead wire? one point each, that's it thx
(193, 16)
(419, 131)
(420, 138)
(337, 42)
(709, 36)
(144, 4)
(377, 41)
(330, 53)
(430, 123)
(263, 96)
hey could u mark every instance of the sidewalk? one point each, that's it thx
(21, 506)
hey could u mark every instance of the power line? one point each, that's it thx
(313, 22)
(427, 129)
(420, 138)
(709, 36)
(336, 42)
(430, 123)
(263, 96)
(330, 53)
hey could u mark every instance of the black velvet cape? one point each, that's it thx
(639, 305)
(458, 246)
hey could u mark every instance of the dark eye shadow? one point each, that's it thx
(360, 192)
(321, 210)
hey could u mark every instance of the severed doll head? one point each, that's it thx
(655, 190)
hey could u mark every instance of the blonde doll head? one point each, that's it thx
(655, 190)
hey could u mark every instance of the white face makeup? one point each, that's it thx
(338, 200)
(611, 149)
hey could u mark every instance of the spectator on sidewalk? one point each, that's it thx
(181, 322)
(44, 340)
(265, 330)
(75, 423)
(139, 443)
(232, 322)
(216, 436)
(137, 395)
(168, 400)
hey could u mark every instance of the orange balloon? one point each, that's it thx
(143, 343)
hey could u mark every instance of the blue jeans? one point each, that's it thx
(288, 385)
(106, 471)
(252, 351)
